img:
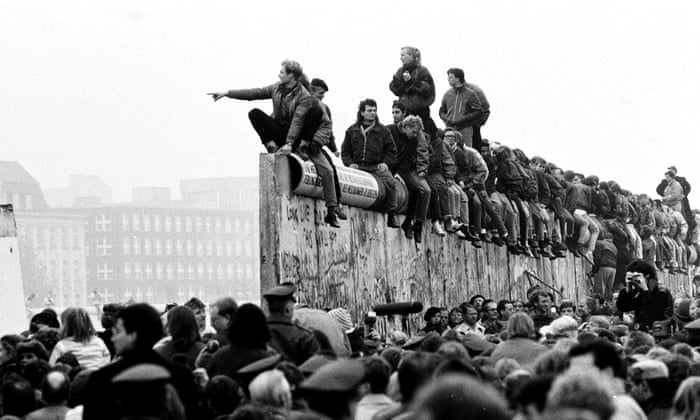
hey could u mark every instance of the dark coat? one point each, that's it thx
(417, 93)
(293, 342)
(368, 150)
(229, 359)
(411, 155)
(648, 306)
(100, 403)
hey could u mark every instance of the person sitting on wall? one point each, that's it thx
(368, 146)
(298, 122)
(412, 165)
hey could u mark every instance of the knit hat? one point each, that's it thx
(46, 317)
(683, 311)
(343, 317)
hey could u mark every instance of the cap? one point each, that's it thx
(259, 366)
(284, 290)
(313, 363)
(145, 372)
(649, 369)
(336, 376)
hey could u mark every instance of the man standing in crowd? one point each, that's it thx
(221, 315)
(685, 204)
(368, 146)
(604, 263)
(415, 87)
(298, 122)
(292, 341)
(137, 329)
(541, 303)
(460, 108)
(643, 296)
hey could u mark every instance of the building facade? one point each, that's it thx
(52, 255)
(171, 254)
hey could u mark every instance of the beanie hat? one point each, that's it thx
(46, 317)
(683, 311)
(343, 317)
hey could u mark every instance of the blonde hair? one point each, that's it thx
(411, 121)
(520, 325)
(271, 388)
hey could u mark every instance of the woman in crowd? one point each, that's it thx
(456, 317)
(432, 320)
(186, 343)
(78, 337)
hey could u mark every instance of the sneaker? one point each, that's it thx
(451, 225)
(461, 235)
(476, 244)
(391, 221)
(341, 213)
(468, 235)
(331, 218)
(438, 229)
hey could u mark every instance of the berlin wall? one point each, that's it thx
(364, 263)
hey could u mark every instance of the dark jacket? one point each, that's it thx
(229, 359)
(604, 255)
(460, 108)
(289, 107)
(293, 342)
(410, 154)
(508, 179)
(648, 306)
(578, 196)
(100, 403)
(369, 148)
(441, 161)
(600, 203)
(471, 167)
(485, 106)
(417, 93)
(647, 223)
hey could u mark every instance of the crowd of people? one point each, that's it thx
(483, 359)
(479, 190)
(629, 351)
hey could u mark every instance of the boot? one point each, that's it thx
(485, 237)
(468, 235)
(341, 213)
(476, 244)
(331, 218)
(391, 221)
(514, 249)
(437, 229)
(418, 232)
(497, 240)
(407, 228)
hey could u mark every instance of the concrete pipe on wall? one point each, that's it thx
(357, 188)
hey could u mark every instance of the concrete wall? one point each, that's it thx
(364, 263)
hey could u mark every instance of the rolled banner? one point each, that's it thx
(357, 188)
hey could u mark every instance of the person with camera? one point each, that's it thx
(643, 296)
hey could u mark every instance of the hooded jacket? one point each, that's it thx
(460, 108)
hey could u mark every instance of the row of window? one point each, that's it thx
(179, 247)
(189, 224)
(158, 271)
(55, 237)
(66, 271)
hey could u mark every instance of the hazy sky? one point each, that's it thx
(117, 88)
